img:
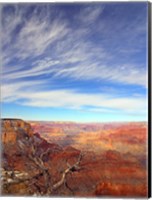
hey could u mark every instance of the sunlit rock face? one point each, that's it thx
(13, 129)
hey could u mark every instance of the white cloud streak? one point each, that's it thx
(69, 99)
(33, 38)
(67, 46)
(122, 74)
(60, 50)
(89, 14)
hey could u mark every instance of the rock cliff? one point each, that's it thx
(13, 129)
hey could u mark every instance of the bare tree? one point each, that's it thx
(29, 147)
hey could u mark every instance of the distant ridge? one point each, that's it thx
(11, 119)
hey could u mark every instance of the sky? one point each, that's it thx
(84, 62)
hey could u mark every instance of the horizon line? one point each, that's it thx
(70, 121)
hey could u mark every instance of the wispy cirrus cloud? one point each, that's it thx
(42, 45)
(10, 91)
(123, 74)
(67, 46)
(25, 38)
(89, 14)
(70, 99)
(40, 67)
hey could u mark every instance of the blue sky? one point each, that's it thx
(74, 62)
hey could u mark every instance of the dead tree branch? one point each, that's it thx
(30, 150)
(72, 168)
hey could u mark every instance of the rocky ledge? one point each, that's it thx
(13, 129)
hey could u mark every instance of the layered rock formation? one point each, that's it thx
(14, 129)
(26, 153)
(27, 158)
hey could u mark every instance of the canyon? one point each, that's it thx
(74, 159)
